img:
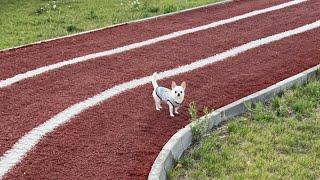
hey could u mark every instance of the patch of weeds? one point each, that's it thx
(276, 103)
(233, 127)
(117, 18)
(72, 28)
(278, 106)
(301, 107)
(237, 129)
(260, 113)
(51, 6)
(312, 90)
(135, 5)
(318, 72)
(206, 111)
(149, 8)
(169, 9)
(303, 100)
(198, 126)
(184, 162)
(41, 10)
(92, 15)
(114, 19)
(171, 174)
(153, 9)
(197, 130)
(193, 111)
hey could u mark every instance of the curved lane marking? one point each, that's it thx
(14, 155)
(37, 71)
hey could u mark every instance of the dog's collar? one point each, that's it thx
(175, 103)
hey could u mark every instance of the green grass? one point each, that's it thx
(23, 22)
(280, 139)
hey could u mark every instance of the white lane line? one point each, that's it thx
(28, 141)
(35, 72)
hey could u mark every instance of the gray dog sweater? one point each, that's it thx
(165, 95)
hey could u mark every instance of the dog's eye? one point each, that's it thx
(181, 92)
(175, 92)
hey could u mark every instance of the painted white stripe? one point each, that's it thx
(35, 72)
(28, 141)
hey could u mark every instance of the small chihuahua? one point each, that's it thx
(173, 97)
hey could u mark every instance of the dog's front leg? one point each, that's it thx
(170, 109)
(176, 110)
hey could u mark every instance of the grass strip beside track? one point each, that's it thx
(280, 139)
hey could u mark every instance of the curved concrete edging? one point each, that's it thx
(115, 25)
(181, 140)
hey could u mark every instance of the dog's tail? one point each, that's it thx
(154, 80)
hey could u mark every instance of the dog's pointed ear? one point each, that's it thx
(184, 85)
(173, 85)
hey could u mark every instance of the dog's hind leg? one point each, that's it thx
(157, 101)
(158, 105)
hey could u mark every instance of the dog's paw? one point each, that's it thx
(176, 112)
(172, 115)
(158, 109)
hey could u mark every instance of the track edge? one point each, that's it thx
(181, 140)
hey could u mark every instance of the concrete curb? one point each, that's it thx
(115, 25)
(180, 141)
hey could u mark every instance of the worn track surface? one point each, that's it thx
(121, 137)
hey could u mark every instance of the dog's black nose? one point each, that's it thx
(178, 94)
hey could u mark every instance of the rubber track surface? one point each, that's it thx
(30, 57)
(120, 138)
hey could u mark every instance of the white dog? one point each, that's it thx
(173, 97)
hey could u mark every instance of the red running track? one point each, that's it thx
(120, 138)
(30, 57)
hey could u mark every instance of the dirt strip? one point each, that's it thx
(31, 57)
(40, 98)
(120, 138)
